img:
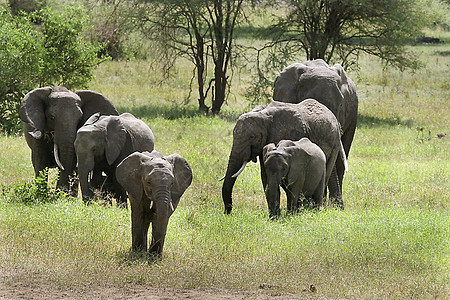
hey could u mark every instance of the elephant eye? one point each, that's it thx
(51, 117)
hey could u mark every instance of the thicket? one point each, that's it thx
(41, 48)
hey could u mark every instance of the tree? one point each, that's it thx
(52, 53)
(20, 52)
(199, 30)
(338, 31)
(341, 29)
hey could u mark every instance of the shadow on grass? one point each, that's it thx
(174, 112)
(371, 121)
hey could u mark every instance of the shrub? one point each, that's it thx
(37, 191)
(52, 53)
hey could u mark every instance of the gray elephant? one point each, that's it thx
(297, 166)
(102, 143)
(154, 184)
(51, 117)
(330, 86)
(280, 121)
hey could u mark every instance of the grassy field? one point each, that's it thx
(390, 242)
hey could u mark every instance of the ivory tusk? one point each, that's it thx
(55, 153)
(171, 206)
(240, 170)
(222, 178)
(151, 204)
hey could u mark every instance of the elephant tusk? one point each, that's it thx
(151, 204)
(55, 153)
(222, 178)
(36, 134)
(240, 170)
(171, 206)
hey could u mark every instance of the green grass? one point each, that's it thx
(390, 242)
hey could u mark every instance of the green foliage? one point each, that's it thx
(37, 191)
(52, 53)
(20, 58)
(68, 60)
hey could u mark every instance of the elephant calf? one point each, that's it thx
(155, 184)
(299, 167)
(101, 144)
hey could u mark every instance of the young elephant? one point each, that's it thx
(101, 144)
(299, 167)
(155, 185)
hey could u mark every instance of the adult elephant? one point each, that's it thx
(51, 117)
(102, 143)
(155, 184)
(330, 86)
(280, 121)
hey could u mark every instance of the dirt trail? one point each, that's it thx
(14, 285)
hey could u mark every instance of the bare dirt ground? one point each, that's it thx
(14, 285)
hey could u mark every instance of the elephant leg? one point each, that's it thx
(335, 189)
(121, 194)
(139, 227)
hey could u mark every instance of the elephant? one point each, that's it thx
(330, 86)
(102, 143)
(299, 167)
(51, 117)
(155, 184)
(273, 123)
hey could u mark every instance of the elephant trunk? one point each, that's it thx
(159, 224)
(272, 191)
(227, 188)
(66, 156)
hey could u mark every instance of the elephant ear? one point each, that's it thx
(92, 119)
(93, 102)
(116, 136)
(128, 174)
(182, 173)
(32, 110)
(286, 84)
(268, 148)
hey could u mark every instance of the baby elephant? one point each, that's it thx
(155, 184)
(299, 167)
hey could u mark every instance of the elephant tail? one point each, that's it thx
(343, 157)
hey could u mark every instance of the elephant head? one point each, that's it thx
(104, 141)
(154, 184)
(51, 117)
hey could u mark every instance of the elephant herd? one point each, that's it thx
(302, 140)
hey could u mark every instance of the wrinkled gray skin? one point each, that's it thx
(154, 184)
(102, 143)
(297, 166)
(280, 121)
(330, 86)
(51, 116)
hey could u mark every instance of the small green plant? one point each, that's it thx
(37, 191)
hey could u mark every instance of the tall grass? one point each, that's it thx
(391, 241)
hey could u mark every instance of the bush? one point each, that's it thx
(37, 191)
(20, 54)
(69, 59)
(52, 53)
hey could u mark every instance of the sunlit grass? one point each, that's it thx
(390, 242)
